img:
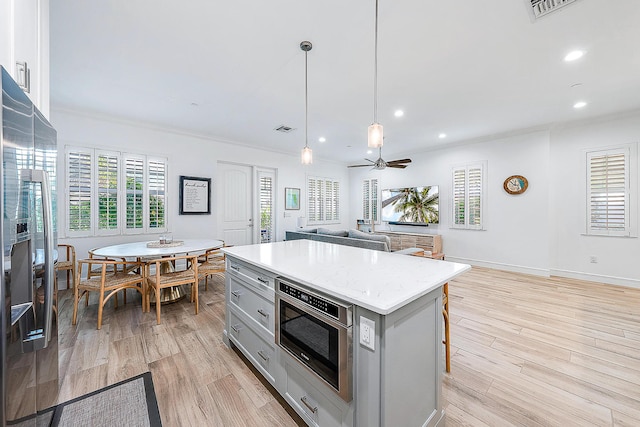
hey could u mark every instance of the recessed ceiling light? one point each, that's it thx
(442, 135)
(399, 113)
(573, 55)
(580, 104)
(322, 139)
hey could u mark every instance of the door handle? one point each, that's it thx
(42, 177)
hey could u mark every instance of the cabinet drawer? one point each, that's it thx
(258, 351)
(254, 304)
(261, 279)
(309, 402)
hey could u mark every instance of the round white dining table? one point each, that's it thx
(142, 250)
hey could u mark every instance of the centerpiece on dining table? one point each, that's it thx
(165, 241)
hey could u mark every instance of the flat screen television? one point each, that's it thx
(411, 205)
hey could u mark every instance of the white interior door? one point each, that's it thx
(235, 201)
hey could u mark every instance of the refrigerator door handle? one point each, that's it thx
(42, 177)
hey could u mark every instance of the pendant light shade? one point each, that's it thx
(307, 154)
(375, 136)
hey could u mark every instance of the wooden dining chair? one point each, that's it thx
(111, 279)
(168, 277)
(210, 263)
(66, 263)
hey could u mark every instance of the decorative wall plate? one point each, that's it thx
(515, 184)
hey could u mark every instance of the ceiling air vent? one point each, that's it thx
(284, 129)
(540, 8)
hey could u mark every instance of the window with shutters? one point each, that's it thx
(608, 192)
(468, 196)
(370, 200)
(266, 181)
(107, 189)
(323, 200)
(114, 193)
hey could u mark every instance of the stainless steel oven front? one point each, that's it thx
(317, 331)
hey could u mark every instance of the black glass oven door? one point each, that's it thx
(314, 341)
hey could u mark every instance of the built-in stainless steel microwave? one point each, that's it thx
(316, 331)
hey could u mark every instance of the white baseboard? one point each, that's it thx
(501, 266)
(611, 280)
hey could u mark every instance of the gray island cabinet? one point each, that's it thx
(390, 345)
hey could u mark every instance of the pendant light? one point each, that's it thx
(375, 134)
(307, 154)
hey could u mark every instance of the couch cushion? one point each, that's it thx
(370, 236)
(308, 230)
(340, 233)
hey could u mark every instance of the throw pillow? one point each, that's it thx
(339, 233)
(370, 236)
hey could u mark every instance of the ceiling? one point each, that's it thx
(233, 70)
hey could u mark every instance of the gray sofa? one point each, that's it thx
(376, 242)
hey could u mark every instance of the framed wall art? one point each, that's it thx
(291, 198)
(195, 195)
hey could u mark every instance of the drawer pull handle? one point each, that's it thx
(235, 328)
(235, 267)
(265, 281)
(236, 294)
(261, 354)
(262, 313)
(313, 409)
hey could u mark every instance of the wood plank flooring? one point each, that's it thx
(526, 351)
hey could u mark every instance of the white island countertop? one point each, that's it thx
(379, 281)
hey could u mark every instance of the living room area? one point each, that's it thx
(545, 328)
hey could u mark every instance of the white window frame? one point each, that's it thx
(371, 200)
(628, 188)
(326, 206)
(467, 169)
(121, 229)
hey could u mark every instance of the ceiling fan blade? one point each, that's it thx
(396, 166)
(399, 161)
(360, 166)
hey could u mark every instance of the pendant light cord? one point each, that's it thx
(306, 101)
(375, 71)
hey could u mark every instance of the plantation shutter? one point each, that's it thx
(79, 191)
(107, 190)
(323, 200)
(266, 209)
(474, 201)
(370, 200)
(468, 196)
(157, 183)
(313, 211)
(459, 196)
(134, 191)
(608, 192)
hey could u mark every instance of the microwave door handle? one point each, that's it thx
(42, 177)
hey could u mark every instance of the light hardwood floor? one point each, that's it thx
(527, 351)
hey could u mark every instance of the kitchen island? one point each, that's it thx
(389, 364)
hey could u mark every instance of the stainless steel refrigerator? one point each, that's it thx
(29, 349)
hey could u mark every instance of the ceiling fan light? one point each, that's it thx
(307, 156)
(376, 136)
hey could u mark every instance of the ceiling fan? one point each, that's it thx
(381, 164)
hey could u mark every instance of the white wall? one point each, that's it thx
(188, 155)
(617, 257)
(542, 230)
(516, 234)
